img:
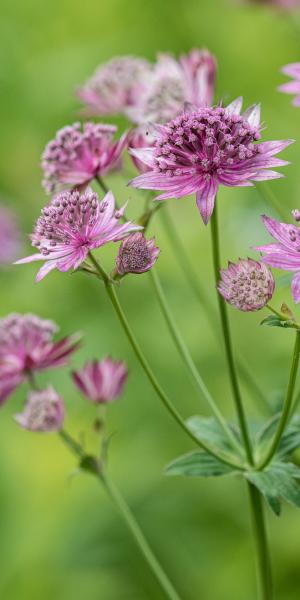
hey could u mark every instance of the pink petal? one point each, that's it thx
(205, 199)
(296, 287)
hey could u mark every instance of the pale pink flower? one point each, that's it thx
(201, 150)
(43, 411)
(140, 137)
(285, 254)
(101, 382)
(79, 154)
(114, 86)
(136, 254)
(9, 236)
(26, 345)
(72, 225)
(292, 87)
(247, 285)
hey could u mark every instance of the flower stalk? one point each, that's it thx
(264, 574)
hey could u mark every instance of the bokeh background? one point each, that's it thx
(59, 535)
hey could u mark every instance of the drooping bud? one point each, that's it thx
(136, 254)
(44, 411)
(103, 381)
(247, 285)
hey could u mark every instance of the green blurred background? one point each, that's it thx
(59, 535)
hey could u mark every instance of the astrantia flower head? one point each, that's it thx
(43, 411)
(26, 345)
(114, 86)
(247, 285)
(292, 87)
(101, 382)
(72, 225)
(285, 254)
(9, 236)
(136, 254)
(78, 154)
(198, 151)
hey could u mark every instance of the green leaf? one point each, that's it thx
(290, 440)
(277, 481)
(209, 430)
(276, 321)
(198, 464)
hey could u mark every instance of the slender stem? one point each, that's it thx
(73, 446)
(32, 380)
(104, 188)
(193, 281)
(138, 535)
(227, 340)
(287, 404)
(187, 358)
(110, 288)
(262, 553)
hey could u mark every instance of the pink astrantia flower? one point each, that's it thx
(247, 285)
(77, 155)
(285, 253)
(292, 87)
(115, 85)
(198, 151)
(43, 411)
(101, 382)
(26, 345)
(136, 254)
(9, 236)
(72, 225)
(283, 4)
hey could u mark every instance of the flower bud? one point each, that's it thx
(136, 254)
(247, 285)
(43, 411)
(101, 382)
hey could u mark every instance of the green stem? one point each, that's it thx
(110, 288)
(227, 340)
(104, 188)
(187, 358)
(73, 446)
(192, 279)
(138, 535)
(287, 404)
(259, 528)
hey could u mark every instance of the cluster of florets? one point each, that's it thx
(136, 254)
(79, 154)
(43, 411)
(247, 285)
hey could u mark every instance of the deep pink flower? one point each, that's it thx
(43, 411)
(72, 225)
(286, 253)
(26, 345)
(198, 151)
(77, 155)
(101, 382)
(9, 236)
(114, 86)
(292, 87)
(247, 285)
(136, 254)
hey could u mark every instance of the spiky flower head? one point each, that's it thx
(114, 86)
(78, 154)
(9, 236)
(248, 285)
(285, 254)
(72, 225)
(43, 411)
(201, 150)
(292, 87)
(103, 381)
(136, 254)
(27, 346)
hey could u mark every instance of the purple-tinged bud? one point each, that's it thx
(247, 285)
(43, 411)
(136, 254)
(296, 214)
(101, 382)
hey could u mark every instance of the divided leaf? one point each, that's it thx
(277, 481)
(209, 430)
(198, 464)
(276, 321)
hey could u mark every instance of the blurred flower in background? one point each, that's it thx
(43, 411)
(282, 4)
(103, 381)
(26, 346)
(292, 87)
(9, 236)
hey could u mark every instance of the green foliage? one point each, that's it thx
(209, 430)
(275, 482)
(277, 321)
(198, 464)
